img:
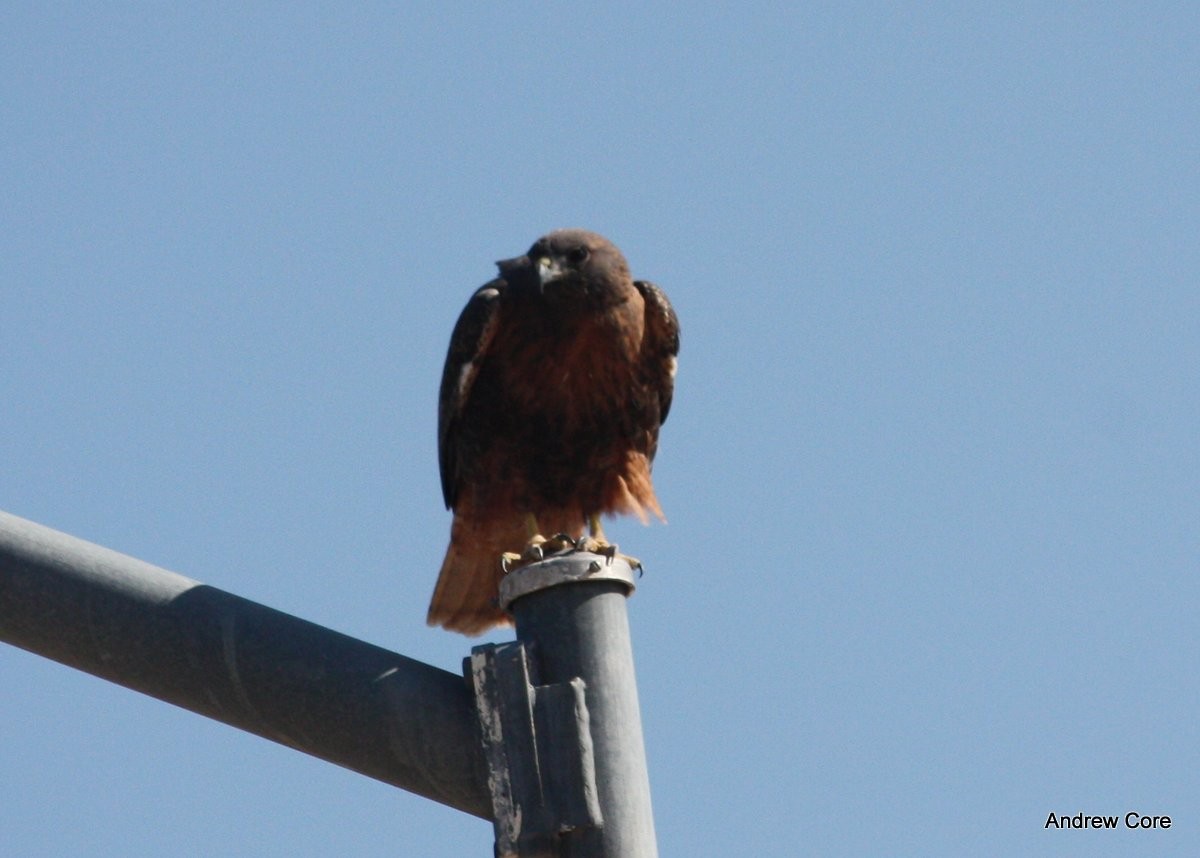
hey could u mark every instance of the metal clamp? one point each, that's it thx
(538, 744)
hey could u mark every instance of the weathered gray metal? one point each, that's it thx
(582, 789)
(357, 705)
(539, 750)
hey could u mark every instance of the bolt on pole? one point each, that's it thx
(565, 695)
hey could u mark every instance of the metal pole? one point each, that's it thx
(571, 617)
(378, 713)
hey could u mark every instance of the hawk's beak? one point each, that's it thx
(548, 270)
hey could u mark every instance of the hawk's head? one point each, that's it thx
(571, 264)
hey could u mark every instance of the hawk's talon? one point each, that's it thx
(608, 550)
(559, 543)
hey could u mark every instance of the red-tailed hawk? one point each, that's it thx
(559, 374)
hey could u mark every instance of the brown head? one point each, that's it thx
(568, 265)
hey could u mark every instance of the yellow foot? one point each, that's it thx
(606, 549)
(536, 549)
(539, 547)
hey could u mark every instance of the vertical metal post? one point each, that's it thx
(573, 624)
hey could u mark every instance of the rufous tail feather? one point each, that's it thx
(464, 599)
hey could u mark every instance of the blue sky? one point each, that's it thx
(931, 473)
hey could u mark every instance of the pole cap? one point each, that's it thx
(568, 567)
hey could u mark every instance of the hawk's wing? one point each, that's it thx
(659, 348)
(468, 344)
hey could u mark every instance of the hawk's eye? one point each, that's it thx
(577, 255)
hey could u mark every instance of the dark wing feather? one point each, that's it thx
(660, 346)
(468, 344)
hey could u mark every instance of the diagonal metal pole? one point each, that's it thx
(378, 713)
